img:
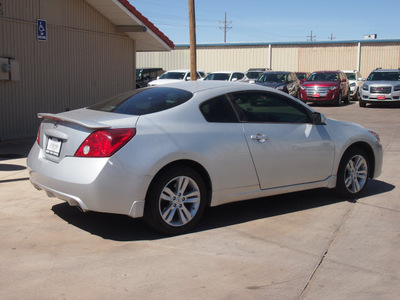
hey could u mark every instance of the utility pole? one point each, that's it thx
(332, 37)
(225, 27)
(312, 37)
(192, 30)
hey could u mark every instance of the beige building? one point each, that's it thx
(57, 55)
(362, 55)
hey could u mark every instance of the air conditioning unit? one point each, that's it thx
(370, 36)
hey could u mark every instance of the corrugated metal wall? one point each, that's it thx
(83, 61)
(287, 57)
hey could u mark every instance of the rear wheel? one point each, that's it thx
(347, 99)
(352, 175)
(176, 200)
(362, 103)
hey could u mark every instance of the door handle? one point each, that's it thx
(261, 138)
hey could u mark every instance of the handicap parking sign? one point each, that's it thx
(41, 30)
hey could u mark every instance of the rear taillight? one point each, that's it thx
(104, 143)
(38, 134)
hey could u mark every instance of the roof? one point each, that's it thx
(306, 43)
(129, 20)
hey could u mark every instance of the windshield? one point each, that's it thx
(173, 75)
(143, 101)
(218, 76)
(384, 76)
(323, 77)
(253, 75)
(272, 77)
(351, 76)
(301, 76)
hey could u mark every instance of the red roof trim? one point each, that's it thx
(147, 23)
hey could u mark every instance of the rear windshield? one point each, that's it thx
(143, 101)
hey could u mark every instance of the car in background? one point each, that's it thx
(381, 86)
(284, 81)
(145, 75)
(254, 73)
(227, 76)
(167, 152)
(325, 87)
(355, 81)
(302, 76)
(175, 76)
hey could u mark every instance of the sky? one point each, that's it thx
(263, 21)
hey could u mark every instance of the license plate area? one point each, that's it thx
(381, 97)
(53, 146)
(316, 95)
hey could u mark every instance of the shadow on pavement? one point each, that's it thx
(124, 228)
(10, 167)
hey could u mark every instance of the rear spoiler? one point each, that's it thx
(87, 124)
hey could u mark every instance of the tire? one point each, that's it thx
(338, 100)
(357, 96)
(175, 201)
(362, 103)
(352, 176)
(347, 99)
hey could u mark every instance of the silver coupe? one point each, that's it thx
(166, 153)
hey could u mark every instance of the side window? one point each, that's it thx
(218, 110)
(262, 107)
(238, 76)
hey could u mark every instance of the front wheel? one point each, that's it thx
(176, 200)
(362, 103)
(352, 175)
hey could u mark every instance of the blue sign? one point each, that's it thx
(41, 30)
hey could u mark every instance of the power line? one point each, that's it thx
(225, 27)
(312, 37)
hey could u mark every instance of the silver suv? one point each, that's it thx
(382, 85)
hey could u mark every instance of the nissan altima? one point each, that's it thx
(166, 153)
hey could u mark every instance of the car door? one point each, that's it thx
(286, 147)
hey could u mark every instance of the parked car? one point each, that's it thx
(325, 86)
(227, 76)
(175, 76)
(355, 81)
(283, 81)
(166, 152)
(302, 76)
(254, 73)
(145, 75)
(381, 86)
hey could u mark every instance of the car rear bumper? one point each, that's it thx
(92, 184)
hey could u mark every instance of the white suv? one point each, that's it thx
(382, 86)
(355, 81)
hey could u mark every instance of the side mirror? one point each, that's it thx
(318, 118)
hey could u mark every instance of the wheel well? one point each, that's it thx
(194, 165)
(370, 153)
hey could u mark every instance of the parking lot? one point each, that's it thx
(307, 245)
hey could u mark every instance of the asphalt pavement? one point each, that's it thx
(307, 245)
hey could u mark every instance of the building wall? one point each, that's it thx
(84, 60)
(284, 57)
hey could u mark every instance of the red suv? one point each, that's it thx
(325, 86)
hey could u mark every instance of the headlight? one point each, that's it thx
(353, 84)
(331, 88)
(281, 87)
(303, 87)
(365, 87)
(396, 88)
